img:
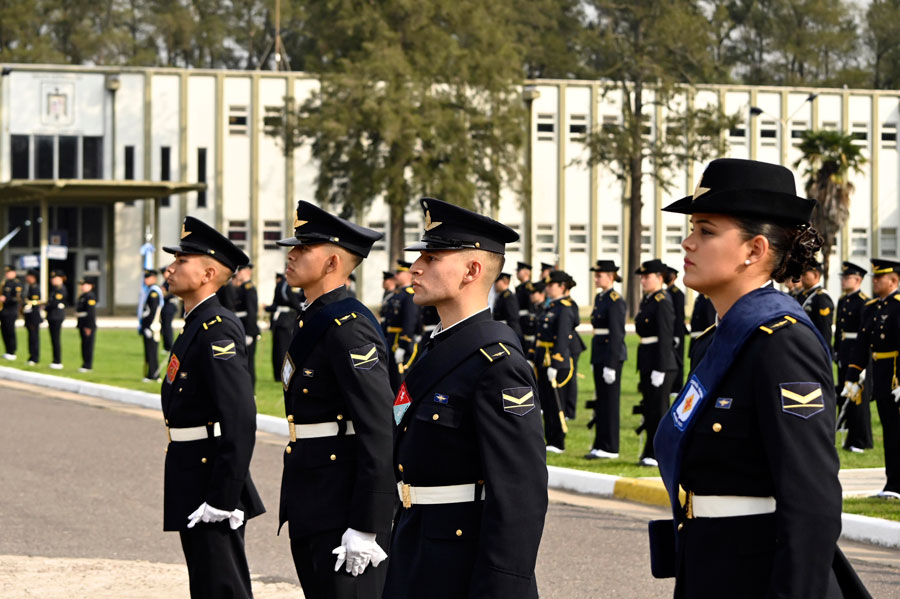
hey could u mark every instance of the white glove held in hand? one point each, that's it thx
(357, 549)
(850, 389)
(209, 514)
(248, 340)
(399, 354)
(551, 373)
(148, 333)
(657, 378)
(609, 375)
(896, 394)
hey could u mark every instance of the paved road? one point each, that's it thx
(82, 478)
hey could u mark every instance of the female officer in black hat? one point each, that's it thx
(750, 438)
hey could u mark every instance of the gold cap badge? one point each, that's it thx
(429, 224)
(184, 232)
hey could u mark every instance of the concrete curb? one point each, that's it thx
(648, 491)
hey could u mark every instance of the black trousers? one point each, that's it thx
(858, 418)
(55, 341)
(890, 420)
(34, 342)
(281, 340)
(88, 336)
(315, 569)
(166, 330)
(251, 361)
(654, 403)
(8, 330)
(553, 432)
(568, 393)
(151, 357)
(606, 410)
(216, 562)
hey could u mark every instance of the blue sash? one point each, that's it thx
(751, 311)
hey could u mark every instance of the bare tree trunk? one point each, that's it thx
(633, 294)
(397, 226)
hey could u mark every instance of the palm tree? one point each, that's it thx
(829, 156)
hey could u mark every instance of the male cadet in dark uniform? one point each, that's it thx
(469, 453)
(227, 295)
(655, 324)
(879, 338)
(31, 311)
(337, 491)
(703, 316)
(86, 312)
(210, 416)
(553, 357)
(854, 417)
(150, 326)
(170, 306)
(523, 297)
(402, 324)
(246, 304)
(56, 314)
(537, 299)
(284, 308)
(546, 269)
(680, 330)
(9, 297)
(816, 302)
(608, 353)
(506, 306)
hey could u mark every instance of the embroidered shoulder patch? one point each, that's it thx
(287, 371)
(802, 399)
(518, 400)
(364, 357)
(660, 296)
(223, 350)
(825, 311)
(401, 403)
(690, 397)
(172, 369)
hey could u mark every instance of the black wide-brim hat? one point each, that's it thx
(560, 276)
(521, 265)
(652, 266)
(607, 266)
(747, 188)
(199, 238)
(849, 268)
(450, 227)
(312, 225)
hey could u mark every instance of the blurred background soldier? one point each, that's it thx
(608, 353)
(285, 308)
(403, 323)
(702, 317)
(150, 326)
(506, 305)
(227, 295)
(388, 284)
(538, 298)
(56, 314)
(170, 307)
(9, 298)
(794, 289)
(32, 314)
(854, 417)
(546, 269)
(246, 303)
(86, 312)
(577, 347)
(654, 323)
(523, 297)
(816, 302)
(680, 330)
(350, 285)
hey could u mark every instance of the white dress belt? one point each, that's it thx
(193, 433)
(82, 314)
(282, 309)
(728, 506)
(530, 337)
(411, 496)
(649, 340)
(601, 331)
(846, 335)
(241, 314)
(321, 429)
(523, 312)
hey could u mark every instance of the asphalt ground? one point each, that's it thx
(81, 488)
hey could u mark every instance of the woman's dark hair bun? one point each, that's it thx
(804, 243)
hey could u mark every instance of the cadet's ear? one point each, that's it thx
(474, 270)
(757, 247)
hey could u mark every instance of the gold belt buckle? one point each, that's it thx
(292, 429)
(169, 434)
(404, 495)
(689, 505)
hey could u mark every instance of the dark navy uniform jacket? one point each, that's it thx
(289, 301)
(820, 308)
(402, 322)
(207, 381)
(555, 332)
(703, 316)
(32, 300)
(506, 310)
(848, 321)
(56, 304)
(526, 308)
(152, 308)
(767, 431)
(677, 296)
(880, 332)
(246, 307)
(609, 313)
(12, 289)
(473, 418)
(345, 480)
(86, 311)
(656, 318)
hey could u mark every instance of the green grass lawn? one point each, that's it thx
(118, 360)
(874, 507)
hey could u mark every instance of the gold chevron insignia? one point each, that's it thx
(364, 357)
(429, 224)
(222, 349)
(184, 232)
(802, 399)
(519, 400)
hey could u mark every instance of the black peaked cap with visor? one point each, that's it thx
(199, 238)
(312, 225)
(449, 227)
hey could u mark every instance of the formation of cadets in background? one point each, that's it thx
(542, 315)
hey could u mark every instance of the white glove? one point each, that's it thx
(358, 549)
(551, 373)
(209, 514)
(657, 378)
(530, 363)
(609, 375)
(862, 377)
(248, 340)
(677, 342)
(896, 394)
(850, 389)
(148, 333)
(399, 354)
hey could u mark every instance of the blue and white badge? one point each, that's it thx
(441, 398)
(687, 403)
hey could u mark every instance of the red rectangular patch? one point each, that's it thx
(401, 403)
(172, 370)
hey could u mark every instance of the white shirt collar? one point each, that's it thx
(198, 303)
(440, 327)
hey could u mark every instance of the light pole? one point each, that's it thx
(783, 122)
(530, 93)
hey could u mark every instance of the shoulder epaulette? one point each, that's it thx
(614, 296)
(529, 286)
(778, 324)
(410, 290)
(152, 294)
(871, 301)
(863, 296)
(212, 322)
(897, 297)
(566, 302)
(343, 319)
(494, 352)
(248, 285)
(820, 291)
(507, 293)
(660, 296)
